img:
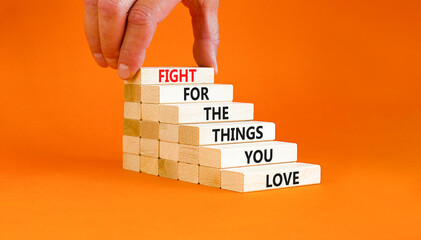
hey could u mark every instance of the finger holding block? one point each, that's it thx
(247, 154)
(265, 177)
(172, 75)
(187, 93)
(221, 133)
(205, 112)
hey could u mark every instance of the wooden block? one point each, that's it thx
(265, 177)
(205, 112)
(210, 176)
(132, 93)
(188, 172)
(150, 112)
(247, 154)
(220, 133)
(131, 144)
(172, 75)
(132, 110)
(131, 127)
(149, 147)
(168, 150)
(188, 154)
(168, 132)
(168, 168)
(149, 129)
(131, 162)
(187, 93)
(149, 165)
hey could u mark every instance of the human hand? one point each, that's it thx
(120, 31)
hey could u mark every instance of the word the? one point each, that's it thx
(196, 93)
(237, 133)
(176, 75)
(285, 178)
(217, 113)
(259, 155)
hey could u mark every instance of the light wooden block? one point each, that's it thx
(168, 150)
(210, 176)
(205, 112)
(168, 168)
(149, 165)
(131, 127)
(150, 112)
(172, 75)
(188, 172)
(132, 110)
(188, 154)
(149, 129)
(187, 93)
(132, 93)
(131, 144)
(221, 133)
(131, 162)
(265, 177)
(149, 147)
(168, 132)
(247, 154)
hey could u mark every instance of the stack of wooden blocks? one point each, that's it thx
(179, 125)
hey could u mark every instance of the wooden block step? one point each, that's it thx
(132, 93)
(188, 172)
(265, 177)
(150, 112)
(168, 168)
(172, 75)
(131, 162)
(210, 176)
(149, 165)
(221, 133)
(205, 112)
(149, 129)
(131, 144)
(132, 110)
(131, 127)
(149, 147)
(168, 150)
(247, 154)
(188, 154)
(186, 93)
(168, 132)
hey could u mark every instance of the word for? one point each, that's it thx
(217, 113)
(285, 178)
(176, 75)
(237, 133)
(258, 155)
(196, 93)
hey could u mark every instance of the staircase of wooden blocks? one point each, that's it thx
(178, 124)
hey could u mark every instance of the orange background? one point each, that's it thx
(340, 78)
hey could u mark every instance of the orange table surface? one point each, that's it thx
(343, 80)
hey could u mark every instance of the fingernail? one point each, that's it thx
(216, 69)
(99, 58)
(112, 62)
(123, 71)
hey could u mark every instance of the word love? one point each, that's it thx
(258, 156)
(238, 133)
(286, 179)
(176, 75)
